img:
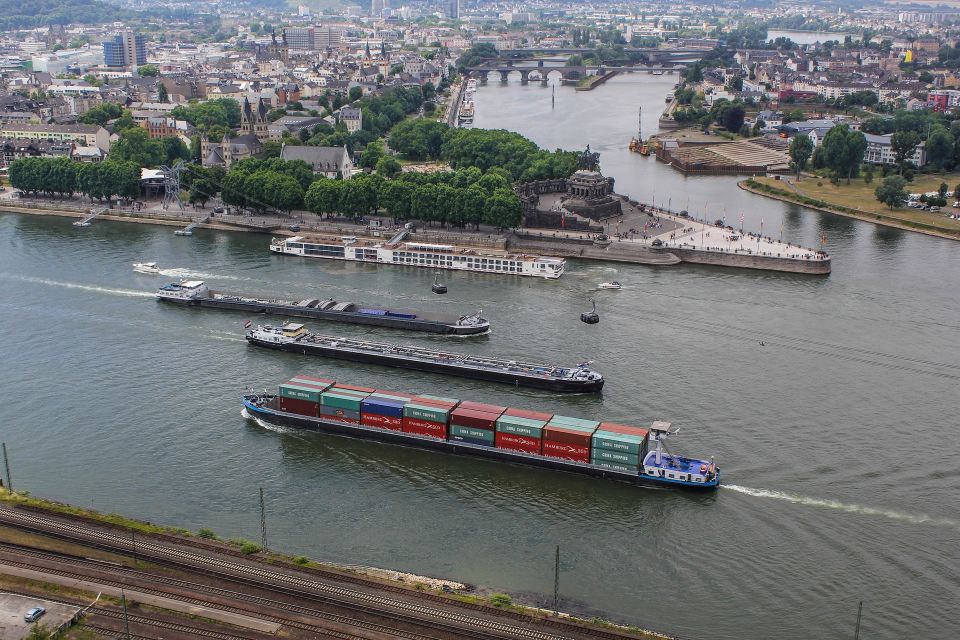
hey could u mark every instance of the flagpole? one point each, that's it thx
(760, 236)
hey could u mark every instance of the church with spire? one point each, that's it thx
(246, 144)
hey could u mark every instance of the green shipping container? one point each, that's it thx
(623, 442)
(616, 456)
(614, 466)
(520, 426)
(472, 432)
(311, 383)
(425, 412)
(297, 392)
(340, 401)
(577, 423)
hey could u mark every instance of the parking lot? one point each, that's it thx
(13, 606)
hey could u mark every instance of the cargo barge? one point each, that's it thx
(604, 449)
(196, 293)
(295, 338)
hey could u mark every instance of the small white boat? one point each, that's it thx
(146, 267)
(183, 232)
(610, 285)
(81, 223)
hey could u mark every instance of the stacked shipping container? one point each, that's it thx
(614, 446)
(618, 446)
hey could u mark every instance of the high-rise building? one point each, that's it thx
(327, 38)
(125, 49)
(377, 7)
(454, 10)
(300, 38)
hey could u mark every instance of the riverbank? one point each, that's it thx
(897, 218)
(592, 82)
(27, 521)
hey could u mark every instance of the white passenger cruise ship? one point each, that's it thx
(418, 254)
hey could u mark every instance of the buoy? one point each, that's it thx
(438, 287)
(590, 317)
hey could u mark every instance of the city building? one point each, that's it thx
(331, 162)
(84, 134)
(453, 9)
(377, 7)
(880, 151)
(125, 49)
(327, 38)
(300, 38)
(352, 117)
(253, 121)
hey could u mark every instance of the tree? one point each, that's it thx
(801, 148)
(395, 197)
(323, 196)
(135, 145)
(429, 91)
(148, 70)
(939, 147)
(372, 154)
(733, 118)
(423, 202)
(355, 93)
(388, 167)
(904, 143)
(358, 197)
(472, 204)
(504, 209)
(892, 191)
(162, 95)
(842, 151)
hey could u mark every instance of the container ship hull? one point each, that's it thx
(265, 408)
(196, 294)
(386, 359)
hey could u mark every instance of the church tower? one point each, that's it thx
(253, 121)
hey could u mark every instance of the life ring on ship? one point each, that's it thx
(703, 468)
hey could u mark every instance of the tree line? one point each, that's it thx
(65, 177)
(521, 158)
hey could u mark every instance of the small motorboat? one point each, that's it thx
(610, 285)
(146, 267)
(438, 287)
(183, 232)
(81, 223)
(590, 317)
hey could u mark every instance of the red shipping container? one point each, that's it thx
(623, 428)
(381, 422)
(425, 428)
(468, 418)
(300, 407)
(408, 396)
(526, 444)
(433, 402)
(566, 451)
(481, 407)
(533, 415)
(341, 419)
(571, 436)
(351, 387)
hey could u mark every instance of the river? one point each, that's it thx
(837, 437)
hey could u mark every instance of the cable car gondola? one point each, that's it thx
(438, 287)
(590, 317)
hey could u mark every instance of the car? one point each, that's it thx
(218, 209)
(34, 614)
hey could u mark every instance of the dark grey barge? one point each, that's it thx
(295, 338)
(196, 293)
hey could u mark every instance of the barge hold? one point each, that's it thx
(295, 338)
(196, 293)
(605, 449)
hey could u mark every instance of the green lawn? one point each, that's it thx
(860, 197)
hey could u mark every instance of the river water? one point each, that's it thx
(837, 438)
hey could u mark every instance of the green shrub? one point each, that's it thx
(207, 533)
(249, 548)
(301, 560)
(501, 600)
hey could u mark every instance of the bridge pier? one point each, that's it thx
(524, 76)
(483, 76)
(504, 76)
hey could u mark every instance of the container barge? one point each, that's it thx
(295, 338)
(196, 293)
(605, 449)
(419, 254)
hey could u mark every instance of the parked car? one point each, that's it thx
(218, 209)
(34, 614)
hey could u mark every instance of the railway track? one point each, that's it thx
(353, 599)
(163, 624)
(259, 601)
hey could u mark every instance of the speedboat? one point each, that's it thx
(146, 267)
(183, 232)
(610, 285)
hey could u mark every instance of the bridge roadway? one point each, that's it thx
(653, 52)
(569, 74)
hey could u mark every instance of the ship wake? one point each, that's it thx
(825, 503)
(82, 287)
